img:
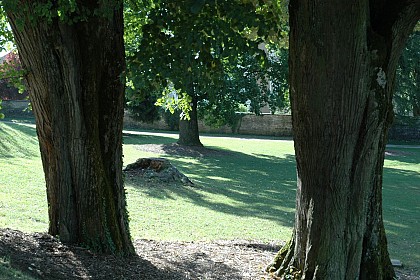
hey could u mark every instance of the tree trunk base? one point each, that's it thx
(282, 267)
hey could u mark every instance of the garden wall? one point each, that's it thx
(268, 125)
(16, 108)
(405, 129)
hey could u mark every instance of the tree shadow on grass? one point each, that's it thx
(133, 139)
(401, 211)
(254, 185)
(17, 140)
(405, 155)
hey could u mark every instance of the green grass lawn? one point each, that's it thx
(248, 192)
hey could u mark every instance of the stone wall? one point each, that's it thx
(405, 129)
(268, 125)
(16, 108)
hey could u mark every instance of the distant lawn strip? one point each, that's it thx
(246, 193)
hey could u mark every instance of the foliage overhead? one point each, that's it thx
(68, 11)
(203, 49)
(407, 93)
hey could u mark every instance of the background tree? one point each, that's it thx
(140, 94)
(74, 57)
(407, 93)
(8, 67)
(188, 44)
(141, 104)
(246, 86)
(11, 76)
(343, 59)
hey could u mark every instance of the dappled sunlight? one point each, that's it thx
(253, 187)
(18, 141)
(401, 190)
(270, 157)
(223, 179)
(257, 172)
(402, 166)
(391, 224)
(131, 154)
(402, 157)
(234, 193)
(245, 184)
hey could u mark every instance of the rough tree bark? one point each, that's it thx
(343, 57)
(188, 129)
(76, 85)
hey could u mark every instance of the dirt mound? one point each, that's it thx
(157, 169)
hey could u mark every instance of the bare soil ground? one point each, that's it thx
(45, 257)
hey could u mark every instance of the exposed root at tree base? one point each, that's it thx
(282, 265)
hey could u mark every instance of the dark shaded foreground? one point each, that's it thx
(44, 257)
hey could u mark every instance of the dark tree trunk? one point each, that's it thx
(75, 80)
(188, 129)
(416, 101)
(343, 58)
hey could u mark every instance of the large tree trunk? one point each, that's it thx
(188, 129)
(343, 57)
(75, 80)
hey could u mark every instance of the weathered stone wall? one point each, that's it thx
(405, 129)
(269, 125)
(16, 108)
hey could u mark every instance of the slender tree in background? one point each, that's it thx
(73, 53)
(188, 44)
(343, 58)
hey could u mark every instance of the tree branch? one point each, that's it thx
(393, 22)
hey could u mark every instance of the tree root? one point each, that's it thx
(282, 267)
